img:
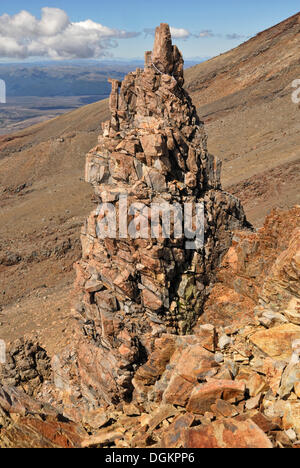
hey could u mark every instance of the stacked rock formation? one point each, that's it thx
(234, 382)
(131, 290)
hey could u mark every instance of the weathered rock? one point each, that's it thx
(224, 409)
(291, 417)
(227, 433)
(277, 342)
(207, 336)
(254, 385)
(135, 376)
(166, 57)
(173, 437)
(265, 424)
(281, 290)
(31, 424)
(14, 401)
(27, 366)
(273, 370)
(254, 402)
(34, 432)
(162, 413)
(192, 366)
(254, 382)
(259, 275)
(102, 438)
(205, 395)
(132, 289)
(290, 378)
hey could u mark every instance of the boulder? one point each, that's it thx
(205, 395)
(227, 433)
(277, 342)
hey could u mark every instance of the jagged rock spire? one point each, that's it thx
(162, 55)
(132, 290)
(165, 56)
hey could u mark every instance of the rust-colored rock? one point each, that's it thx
(278, 341)
(33, 432)
(27, 423)
(174, 435)
(193, 364)
(205, 395)
(227, 433)
(27, 366)
(259, 275)
(132, 289)
(291, 417)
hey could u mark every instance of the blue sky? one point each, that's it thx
(220, 24)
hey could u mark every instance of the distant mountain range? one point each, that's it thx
(47, 79)
(40, 91)
(60, 80)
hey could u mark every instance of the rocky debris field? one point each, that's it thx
(231, 383)
(234, 386)
(170, 347)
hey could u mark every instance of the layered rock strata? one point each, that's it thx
(130, 289)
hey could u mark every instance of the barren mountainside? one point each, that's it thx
(244, 98)
(170, 342)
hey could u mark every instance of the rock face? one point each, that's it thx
(130, 289)
(228, 433)
(27, 366)
(26, 423)
(259, 275)
(166, 57)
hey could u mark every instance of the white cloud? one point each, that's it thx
(205, 33)
(235, 36)
(55, 36)
(179, 33)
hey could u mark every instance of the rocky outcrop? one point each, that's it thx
(234, 383)
(27, 366)
(27, 423)
(131, 289)
(173, 347)
(227, 433)
(259, 275)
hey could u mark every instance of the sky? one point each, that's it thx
(97, 29)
